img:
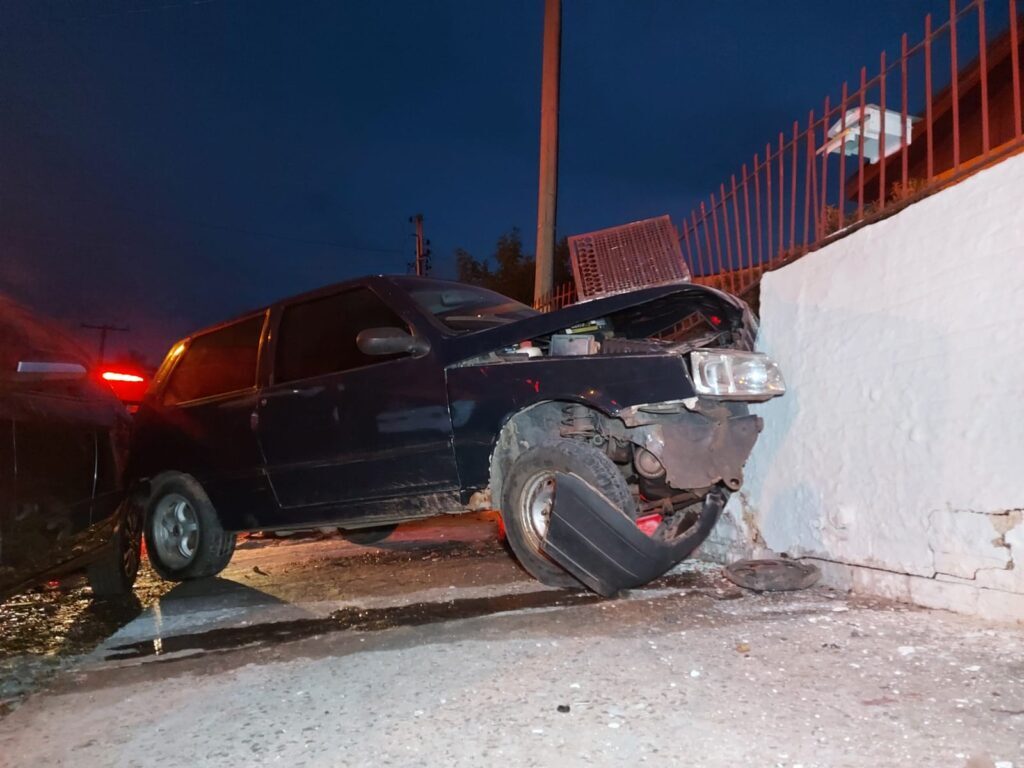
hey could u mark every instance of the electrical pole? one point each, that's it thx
(422, 264)
(104, 329)
(547, 195)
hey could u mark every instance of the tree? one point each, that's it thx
(514, 270)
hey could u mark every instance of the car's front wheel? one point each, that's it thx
(184, 537)
(528, 496)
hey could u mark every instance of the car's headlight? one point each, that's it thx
(732, 375)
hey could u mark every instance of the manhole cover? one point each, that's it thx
(773, 575)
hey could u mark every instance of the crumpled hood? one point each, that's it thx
(637, 314)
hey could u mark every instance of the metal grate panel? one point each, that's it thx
(625, 258)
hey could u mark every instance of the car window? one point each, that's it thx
(319, 336)
(467, 308)
(216, 363)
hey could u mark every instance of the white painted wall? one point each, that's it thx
(897, 456)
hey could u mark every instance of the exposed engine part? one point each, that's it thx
(647, 464)
(617, 346)
(620, 451)
(579, 421)
(564, 345)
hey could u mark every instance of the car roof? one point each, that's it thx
(406, 282)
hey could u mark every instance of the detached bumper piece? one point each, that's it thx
(601, 545)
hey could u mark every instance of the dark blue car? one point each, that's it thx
(608, 434)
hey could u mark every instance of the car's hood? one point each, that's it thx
(637, 314)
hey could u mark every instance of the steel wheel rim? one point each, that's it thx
(175, 531)
(538, 499)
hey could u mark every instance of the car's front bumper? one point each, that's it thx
(601, 545)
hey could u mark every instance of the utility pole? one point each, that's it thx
(547, 195)
(104, 329)
(422, 264)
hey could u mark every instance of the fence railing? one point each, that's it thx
(940, 109)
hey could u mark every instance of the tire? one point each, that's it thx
(528, 476)
(184, 537)
(367, 537)
(113, 574)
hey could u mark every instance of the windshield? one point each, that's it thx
(466, 308)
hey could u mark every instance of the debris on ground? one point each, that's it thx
(772, 574)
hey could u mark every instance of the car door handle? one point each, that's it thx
(292, 392)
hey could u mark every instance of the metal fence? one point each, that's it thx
(938, 110)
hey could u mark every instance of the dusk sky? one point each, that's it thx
(168, 164)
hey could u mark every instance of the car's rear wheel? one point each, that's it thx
(113, 574)
(528, 495)
(184, 537)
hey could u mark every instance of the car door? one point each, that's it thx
(338, 426)
(203, 422)
(55, 471)
(48, 453)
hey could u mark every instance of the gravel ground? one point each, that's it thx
(437, 650)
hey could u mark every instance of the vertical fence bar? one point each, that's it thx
(954, 84)
(725, 222)
(757, 209)
(746, 208)
(824, 170)
(928, 125)
(983, 76)
(707, 237)
(718, 240)
(860, 143)
(770, 242)
(782, 166)
(904, 155)
(842, 158)
(736, 221)
(808, 184)
(696, 238)
(686, 245)
(1015, 64)
(812, 143)
(881, 134)
(792, 187)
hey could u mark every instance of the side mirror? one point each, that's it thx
(49, 371)
(389, 341)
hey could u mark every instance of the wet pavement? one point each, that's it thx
(435, 648)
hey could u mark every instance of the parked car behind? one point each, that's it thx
(63, 445)
(609, 453)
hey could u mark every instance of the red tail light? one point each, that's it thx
(115, 376)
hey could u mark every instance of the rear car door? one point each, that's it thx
(203, 422)
(338, 426)
(50, 424)
(54, 437)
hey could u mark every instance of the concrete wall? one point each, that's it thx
(897, 456)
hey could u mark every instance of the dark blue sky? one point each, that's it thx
(167, 164)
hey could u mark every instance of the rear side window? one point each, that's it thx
(216, 363)
(318, 337)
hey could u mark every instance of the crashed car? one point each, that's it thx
(608, 434)
(63, 447)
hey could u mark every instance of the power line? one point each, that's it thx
(104, 329)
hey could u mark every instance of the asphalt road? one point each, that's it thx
(436, 649)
